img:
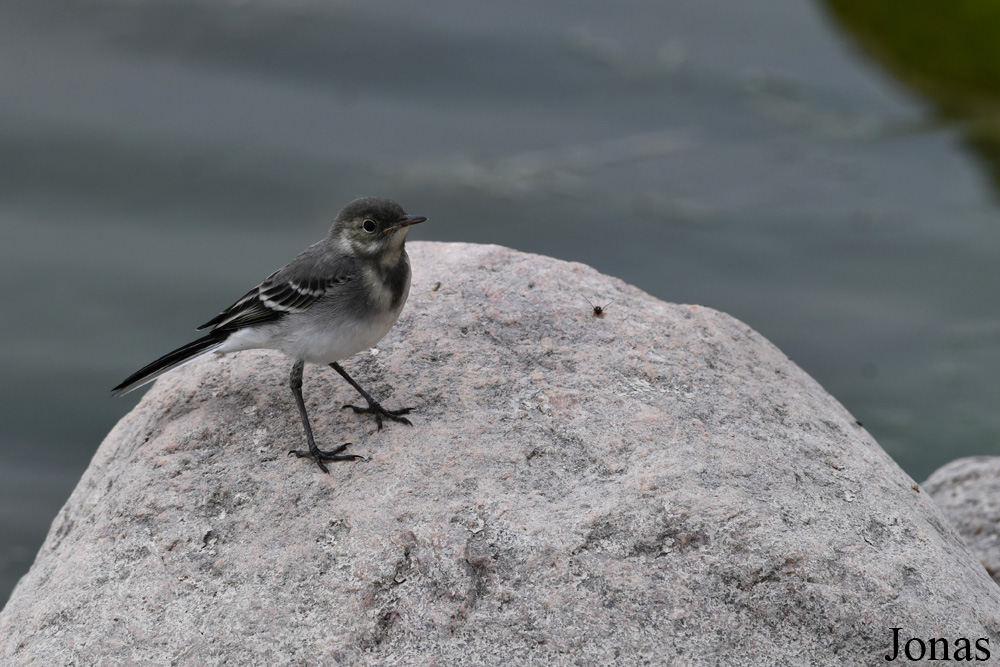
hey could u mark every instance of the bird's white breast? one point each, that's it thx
(322, 334)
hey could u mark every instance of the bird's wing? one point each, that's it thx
(291, 289)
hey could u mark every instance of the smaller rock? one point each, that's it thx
(968, 492)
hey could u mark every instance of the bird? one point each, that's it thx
(336, 298)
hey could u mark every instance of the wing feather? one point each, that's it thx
(291, 289)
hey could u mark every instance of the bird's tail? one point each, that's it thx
(169, 362)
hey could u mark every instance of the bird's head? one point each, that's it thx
(372, 227)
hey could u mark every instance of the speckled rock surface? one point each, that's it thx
(968, 492)
(659, 485)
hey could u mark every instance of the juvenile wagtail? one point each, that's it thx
(337, 298)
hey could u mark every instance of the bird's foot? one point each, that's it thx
(319, 455)
(374, 408)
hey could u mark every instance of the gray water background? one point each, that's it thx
(158, 159)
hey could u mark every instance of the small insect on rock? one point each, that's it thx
(598, 310)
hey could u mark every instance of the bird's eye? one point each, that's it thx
(368, 226)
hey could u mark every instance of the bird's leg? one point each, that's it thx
(317, 454)
(373, 406)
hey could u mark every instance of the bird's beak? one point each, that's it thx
(405, 222)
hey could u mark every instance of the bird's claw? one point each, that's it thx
(319, 455)
(379, 412)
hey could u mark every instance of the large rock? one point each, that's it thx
(657, 485)
(968, 491)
